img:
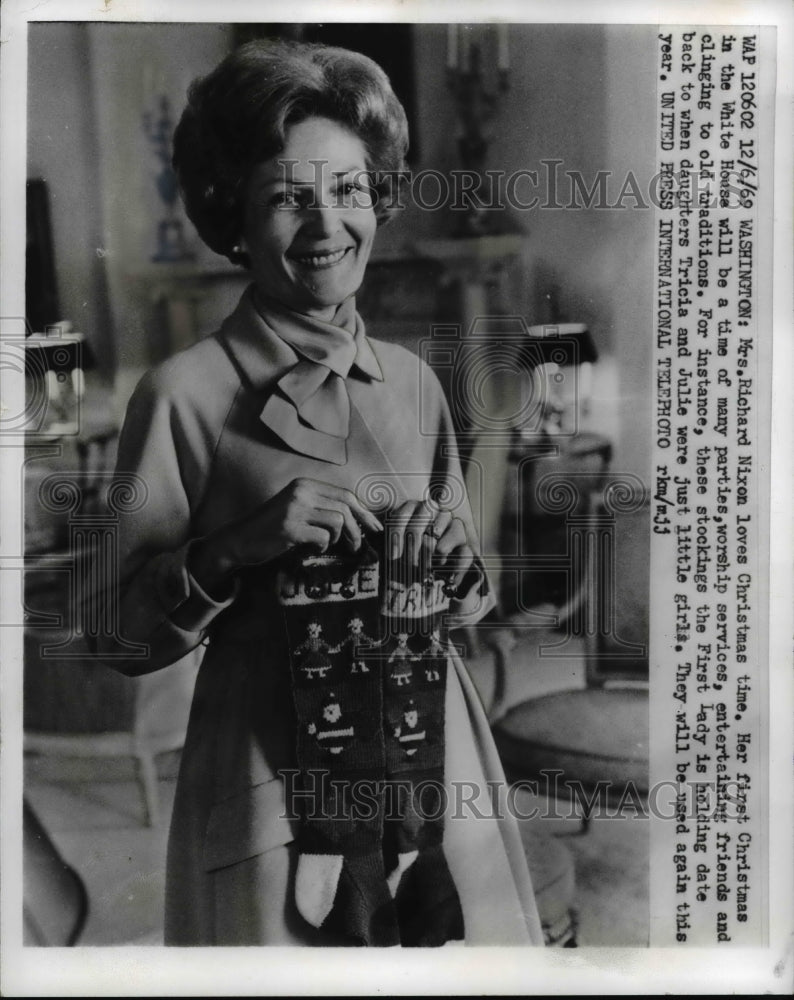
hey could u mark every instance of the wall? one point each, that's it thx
(89, 85)
(63, 148)
(132, 67)
(627, 270)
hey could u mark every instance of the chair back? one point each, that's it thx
(55, 898)
(617, 642)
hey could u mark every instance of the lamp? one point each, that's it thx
(560, 358)
(55, 363)
(571, 539)
(557, 360)
(55, 356)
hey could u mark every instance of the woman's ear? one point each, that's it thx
(239, 253)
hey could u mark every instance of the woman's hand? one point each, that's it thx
(305, 513)
(427, 533)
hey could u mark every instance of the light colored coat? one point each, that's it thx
(195, 436)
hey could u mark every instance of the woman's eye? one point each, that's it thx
(348, 194)
(284, 199)
(355, 193)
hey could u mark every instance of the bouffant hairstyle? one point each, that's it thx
(238, 115)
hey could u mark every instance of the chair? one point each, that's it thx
(592, 739)
(596, 736)
(74, 706)
(79, 709)
(55, 904)
(550, 862)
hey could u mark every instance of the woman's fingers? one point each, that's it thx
(420, 531)
(453, 550)
(338, 519)
(397, 522)
(350, 501)
(336, 510)
(461, 559)
(316, 537)
(406, 525)
(433, 535)
(422, 520)
(452, 537)
(424, 532)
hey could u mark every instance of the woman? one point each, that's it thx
(274, 453)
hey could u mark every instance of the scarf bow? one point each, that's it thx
(309, 408)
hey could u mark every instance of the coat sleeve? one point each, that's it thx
(476, 594)
(158, 606)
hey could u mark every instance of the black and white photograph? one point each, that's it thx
(395, 537)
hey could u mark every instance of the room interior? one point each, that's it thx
(556, 299)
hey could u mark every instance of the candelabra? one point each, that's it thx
(476, 91)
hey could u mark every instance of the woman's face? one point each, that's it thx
(310, 220)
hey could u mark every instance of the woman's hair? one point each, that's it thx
(238, 115)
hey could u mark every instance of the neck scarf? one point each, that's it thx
(369, 656)
(309, 408)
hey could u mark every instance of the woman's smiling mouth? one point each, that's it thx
(320, 258)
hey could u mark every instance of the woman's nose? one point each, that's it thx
(322, 217)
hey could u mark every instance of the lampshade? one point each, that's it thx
(560, 343)
(57, 351)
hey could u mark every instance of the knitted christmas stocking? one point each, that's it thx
(414, 685)
(330, 605)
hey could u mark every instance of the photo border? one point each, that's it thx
(220, 971)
